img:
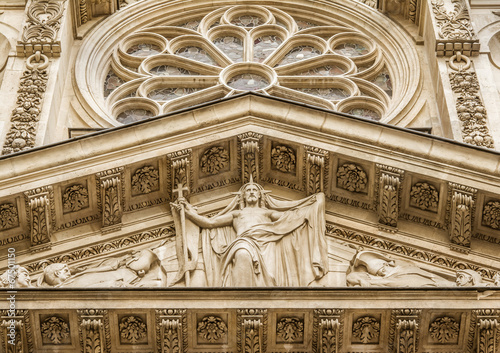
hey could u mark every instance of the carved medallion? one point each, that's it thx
(283, 159)
(75, 198)
(352, 177)
(55, 329)
(444, 329)
(145, 180)
(214, 160)
(366, 329)
(290, 329)
(491, 214)
(211, 328)
(132, 329)
(424, 196)
(9, 217)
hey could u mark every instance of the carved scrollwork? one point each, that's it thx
(9, 217)
(352, 177)
(214, 159)
(470, 109)
(366, 329)
(75, 198)
(487, 335)
(290, 329)
(329, 334)
(211, 328)
(132, 329)
(171, 330)
(455, 24)
(412, 11)
(250, 142)
(406, 331)
(491, 214)
(93, 338)
(55, 329)
(145, 180)
(424, 196)
(283, 158)
(444, 329)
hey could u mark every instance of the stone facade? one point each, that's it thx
(300, 152)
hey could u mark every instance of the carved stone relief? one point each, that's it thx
(211, 329)
(180, 172)
(55, 330)
(92, 330)
(352, 177)
(328, 329)
(462, 211)
(40, 208)
(487, 335)
(171, 330)
(16, 335)
(9, 217)
(491, 214)
(110, 193)
(250, 156)
(390, 195)
(290, 330)
(316, 162)
(284, 159)
(366, 330)
(214, 160)
(25, 117)
(444, 329)
(252, 330)
(404, 330)
(424, 196)
(75, 198)
(145, 180)
(132, 330)
(41, 28)
(470, 106)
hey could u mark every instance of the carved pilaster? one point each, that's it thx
(92, 330)
(454, 31)
(327, 330)
(390, 194)
(171, 330)
(252, 330)
(41, 28)
(249, 145)
(462, 206)
(111, 198)
(316, 160)
(180, 172)
(40, 209)
(13, 335)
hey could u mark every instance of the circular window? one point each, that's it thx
(166, 64)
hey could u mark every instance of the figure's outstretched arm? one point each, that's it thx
(205, 222)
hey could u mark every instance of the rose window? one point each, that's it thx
(170, 66)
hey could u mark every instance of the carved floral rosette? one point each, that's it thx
(211, 328)
(214, 160)
(9, 217)
(491, 214)
(352, 177)
(75, 198)
(424, 196)
(145, 180)
(283, 159)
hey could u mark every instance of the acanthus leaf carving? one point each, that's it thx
(329, 334)
(251, 330)
(111, 195)
(290, 329)
(316, 160)
(406, 331)
(9, 217)
(145, 180)
(390, 183)
(487, 335)
(454, 24)
(55, 329)
(180, 172)
(214, 160)
(366, 329)
(461, 218)
(211, 328)
(491, 214)
(132, 329)
(424, 196)
(284, 159)
(352, 177)
(75, 198)
(250, 156)
(171, 330)
(444, 329)
(41, 214)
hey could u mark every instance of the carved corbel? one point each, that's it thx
(250, 160)
(180, 172)
(487, 335)
(315, 169)
(252, 329)
(93, 330)
(404, 330)
(327, 330)
(111, 197)
(462, 206)
(15, 331)
(40, 208)
(171, 330)
(390, 190)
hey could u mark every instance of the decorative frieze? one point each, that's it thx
(454, 29)
(171, 330)
(461, 216)
(75, 198)
(250, 156)
(145, 180)
(444, 329)
(111, 196)
(390, 195)
(9, 217)
(180, 172)
(26, 114)
(41, 28)
(352, 177)
(469, 104)
(41, 216)
(316, 160)
(252, 330)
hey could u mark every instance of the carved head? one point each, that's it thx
(252, 192)
(55, 274)
(376, 264)
(142, 261)
(18, 276)
(468, 278)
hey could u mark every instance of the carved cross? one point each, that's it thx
(180, 190)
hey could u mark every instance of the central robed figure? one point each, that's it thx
(256, 241)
